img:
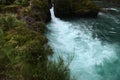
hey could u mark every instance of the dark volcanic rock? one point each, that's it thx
(72, 8)
(50, 3)
(62, 8)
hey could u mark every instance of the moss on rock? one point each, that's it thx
(13, 8)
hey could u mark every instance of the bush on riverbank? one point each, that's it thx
(23, 46)
(23, 53)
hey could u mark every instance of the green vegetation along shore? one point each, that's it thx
(23, 45)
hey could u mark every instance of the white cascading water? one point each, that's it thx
(75, 39)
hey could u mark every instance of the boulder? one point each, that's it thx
(75, 8)
(62, 8)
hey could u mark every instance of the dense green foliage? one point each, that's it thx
(23, 53)
(9, 2)
(23, 45)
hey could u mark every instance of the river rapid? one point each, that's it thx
(91, 46)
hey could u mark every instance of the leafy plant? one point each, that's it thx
(22, 2)
(9, 22)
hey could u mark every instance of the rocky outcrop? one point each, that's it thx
(72, 8)
(37, 14)
(40, 10)
(62, 8)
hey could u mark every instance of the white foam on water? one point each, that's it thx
(68, 39)
(112, 9)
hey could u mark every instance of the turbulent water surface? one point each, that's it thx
(92, 45)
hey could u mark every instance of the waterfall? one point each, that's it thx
(89, 55)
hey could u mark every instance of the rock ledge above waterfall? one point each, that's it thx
(78, 8)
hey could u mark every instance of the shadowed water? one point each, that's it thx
(93, 45)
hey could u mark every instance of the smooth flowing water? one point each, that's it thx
(92, 45)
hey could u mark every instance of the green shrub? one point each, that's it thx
(23, 56)
(57, 71)
(25, 11)
(6, 2)
(1, 32)
(19, 47)
(8, 22)
(52, 71)
(22, 2)
(13, 8)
